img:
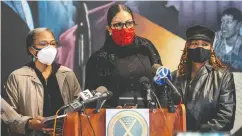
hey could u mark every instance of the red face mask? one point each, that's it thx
(123, 37)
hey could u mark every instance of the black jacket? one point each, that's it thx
(119, 68)
(209, 99)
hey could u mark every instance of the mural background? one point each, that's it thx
(80, 28)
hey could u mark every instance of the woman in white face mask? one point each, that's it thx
(42, 86)
(43, 48)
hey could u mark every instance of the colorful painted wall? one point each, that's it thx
(77, 22)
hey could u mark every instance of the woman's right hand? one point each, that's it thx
(36, 123)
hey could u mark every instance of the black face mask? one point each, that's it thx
(198, 54)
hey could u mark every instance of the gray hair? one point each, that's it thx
(31, 36)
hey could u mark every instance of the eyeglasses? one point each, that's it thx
(120, 25)
(46, 43)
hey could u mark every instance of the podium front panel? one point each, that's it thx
(161, 122)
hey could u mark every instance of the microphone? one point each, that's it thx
(99, 91)
(86, 94)
(145, 82)
(82, 95)
(77, 105)
(163, 77)
(150, 93)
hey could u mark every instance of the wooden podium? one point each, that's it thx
(162, 123)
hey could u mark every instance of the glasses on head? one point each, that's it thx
(120, 25)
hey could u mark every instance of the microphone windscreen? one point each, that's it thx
(155, 67)
(101, 89)
(110, 94)
(144, 80)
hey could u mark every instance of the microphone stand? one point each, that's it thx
(100, 104)
(170, 104)
(172, 86)
(70, 108)
(151, 103)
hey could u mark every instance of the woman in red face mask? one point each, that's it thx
(122, 61)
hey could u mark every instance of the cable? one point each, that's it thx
(55, 119)
(177, 120)
(165, 119)
(89, 121)
(157, 100)
(180, 101)
(170, 103)
(81, 126)
(165, 122)
(56, 114)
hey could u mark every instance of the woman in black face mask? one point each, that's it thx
(207, 87)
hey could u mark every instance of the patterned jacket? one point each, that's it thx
(102, 66)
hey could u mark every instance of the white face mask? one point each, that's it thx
(47, 55)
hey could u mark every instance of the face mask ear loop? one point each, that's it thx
(34, 57)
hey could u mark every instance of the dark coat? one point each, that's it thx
(119, 68)
(209, 99)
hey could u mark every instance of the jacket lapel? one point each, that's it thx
(28, 71)
(183, 84)
(36, 79)
(61, 77)
(203, 71)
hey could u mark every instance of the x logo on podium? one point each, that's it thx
(127, 129)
